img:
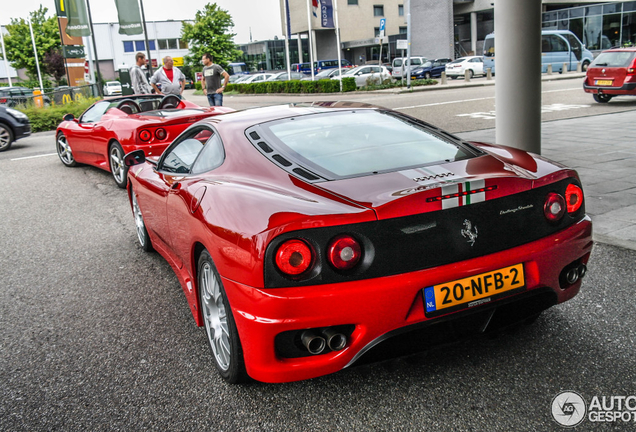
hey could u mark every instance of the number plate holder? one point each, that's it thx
(473, 291)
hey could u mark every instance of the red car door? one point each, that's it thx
(167, 195)
(80, 135)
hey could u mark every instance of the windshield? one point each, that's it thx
(112, 84)
(353, 143)
(489, 47)
(614, 59)
(427, 64)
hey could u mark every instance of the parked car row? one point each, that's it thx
(12, 96)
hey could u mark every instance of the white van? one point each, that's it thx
(400, 63)
(557, 47)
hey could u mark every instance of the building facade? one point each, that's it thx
(447, 28)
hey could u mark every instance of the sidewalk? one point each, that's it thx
(603, 151)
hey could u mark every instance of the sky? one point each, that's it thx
(262, 16)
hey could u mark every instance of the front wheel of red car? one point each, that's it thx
(64, 150)
(117, 167)
(142, 232)
(602, 98)
(219, 322)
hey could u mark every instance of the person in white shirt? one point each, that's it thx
(170, 78)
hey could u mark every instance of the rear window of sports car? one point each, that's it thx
(354, 143)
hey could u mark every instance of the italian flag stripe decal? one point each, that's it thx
(460, 188)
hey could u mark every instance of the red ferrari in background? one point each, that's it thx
(304, 236)
(112, 127)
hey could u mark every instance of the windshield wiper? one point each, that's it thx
(600, 64)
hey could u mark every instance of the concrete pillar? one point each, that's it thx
(300, 49)
(473, 32)
(518, 89)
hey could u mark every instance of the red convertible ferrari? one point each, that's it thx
(110, 128)
(305, 236)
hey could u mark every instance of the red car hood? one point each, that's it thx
(499, 172)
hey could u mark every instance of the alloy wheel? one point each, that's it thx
(215, 316)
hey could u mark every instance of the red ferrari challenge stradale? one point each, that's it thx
(110, 128)
(306, 237)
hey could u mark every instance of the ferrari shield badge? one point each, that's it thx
(469, 232)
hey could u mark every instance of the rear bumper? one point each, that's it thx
(625, 89)
(381, 307)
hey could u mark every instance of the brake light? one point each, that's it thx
(145, 135)
(294, 257)
(573, 198)
(554, 207)
(344, 252)
(161, 134)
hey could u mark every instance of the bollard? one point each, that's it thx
(443, 78)
(565, 68)
(549, 68)
(579, 67)
(38, 99)
(489, 73)
(467, 75)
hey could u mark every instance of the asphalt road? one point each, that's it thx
(95, 334)
(454, 107)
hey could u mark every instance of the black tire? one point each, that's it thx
(454, 77)
(219, 324)
(602, 98)
(64, 150)
(117, 167)
(142, 232)
(585, 65)
(6, 137)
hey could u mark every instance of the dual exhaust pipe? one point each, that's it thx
(317, 343)
(575, 273)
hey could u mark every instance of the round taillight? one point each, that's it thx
(344, 252)
(161, 134)
(145, 135)
(294, 257)
(554, 207)
(573, 197)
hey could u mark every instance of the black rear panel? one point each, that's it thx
(422, 241)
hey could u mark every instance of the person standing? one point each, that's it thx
(170, 78)
(211, 84)
(138, 78)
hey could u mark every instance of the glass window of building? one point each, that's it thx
(378, 10)
(376, 32)
(352, 2)
(140, 46)
(129, 46)
(401, 10)
(403, 30)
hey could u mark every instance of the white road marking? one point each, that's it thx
(36, 156)
(490, 115)
(473, 100)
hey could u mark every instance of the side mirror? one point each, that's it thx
(134, 158)
(68, 117)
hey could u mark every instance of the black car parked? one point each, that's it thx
(13, 125)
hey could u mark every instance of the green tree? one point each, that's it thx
(19, 46)
(210, 33)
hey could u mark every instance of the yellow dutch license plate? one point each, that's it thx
(473, 291)
(604, 82)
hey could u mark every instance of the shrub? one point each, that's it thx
(47, 118)
(197, 86)
(349, 84)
